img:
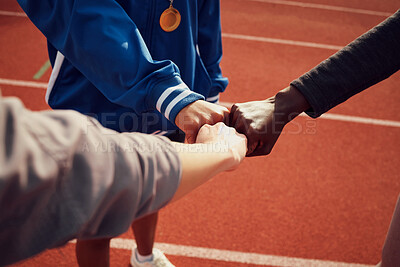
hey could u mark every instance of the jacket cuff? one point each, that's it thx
(213, 98)
(218, 85)
(170, 96)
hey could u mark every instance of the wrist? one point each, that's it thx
(290, 102)
(211, 158)
(185, 115)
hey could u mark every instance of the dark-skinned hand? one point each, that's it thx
(263, 121)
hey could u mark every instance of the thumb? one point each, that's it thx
(226, 119)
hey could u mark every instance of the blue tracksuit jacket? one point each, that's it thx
(112, 60)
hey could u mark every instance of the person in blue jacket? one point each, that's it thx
(113, 60)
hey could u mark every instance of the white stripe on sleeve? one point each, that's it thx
(178, 98)
(167, 92)
(213, 98)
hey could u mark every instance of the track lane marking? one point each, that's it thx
(12, 13)
(23, 83)
(326, 7)
(328, 116)
(252, 38)
(280, 41)
(232, 256)
(42, 70)
(348, 118)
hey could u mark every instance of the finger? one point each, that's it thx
(226, 120)
(191, 139)
(239, 124)
(239, 120)
(251, 145)
(232, 120)
(225, 111)
(226, 117)
(244, 138)
(232, 131)
(204, 130)
(220, 125)
(226, 104)
(191, 132)
(220, 115)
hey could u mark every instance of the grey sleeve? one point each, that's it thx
(64, 176)
(366, 61)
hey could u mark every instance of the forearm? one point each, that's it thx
(289, 103)
(199, 163)
(369, 59)
(62, 176)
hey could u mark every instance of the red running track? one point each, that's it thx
(328, 189)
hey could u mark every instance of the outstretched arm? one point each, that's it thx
(369, 59)
(63, 176)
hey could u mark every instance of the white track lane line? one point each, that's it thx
(23, 83)
(347, 118)
(241, 37)
(328, 116)
(13, 14)
(326, 7)
(280, 41)
(255, 38)
(232, 256)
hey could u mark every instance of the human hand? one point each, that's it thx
(219, 148)
(224, 139)
(196, 114)
(258, 121)
(263, 121)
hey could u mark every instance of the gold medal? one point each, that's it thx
(170, 18)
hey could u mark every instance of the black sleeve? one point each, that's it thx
(369, 59)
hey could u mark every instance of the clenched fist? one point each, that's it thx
(263, 121)
(192, 117)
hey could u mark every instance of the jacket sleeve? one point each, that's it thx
(64, 176)
(366, 61)
(103, 43)
(210, 45)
